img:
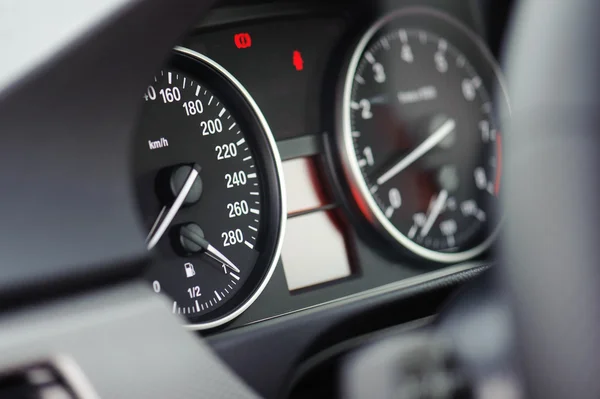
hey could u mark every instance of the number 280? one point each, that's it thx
(232, 237)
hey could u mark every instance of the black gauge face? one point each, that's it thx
(423, 147)
(198, 153)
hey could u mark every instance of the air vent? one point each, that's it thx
(37, 381)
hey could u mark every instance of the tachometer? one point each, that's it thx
(419, 140)
(209, 186)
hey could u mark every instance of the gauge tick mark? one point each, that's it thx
(413, 232)
(451, 241)
(389, 212)
(403, 36)
(385, 43)
(442, 45)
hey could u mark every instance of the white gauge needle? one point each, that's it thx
(219, 257)
(154, 237)
(156, 223)
(437, 208)
(426, 146)
(193, 235)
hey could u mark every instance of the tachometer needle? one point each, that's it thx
(426, 146)
(211, 251)
(437, 208)
(165, 218)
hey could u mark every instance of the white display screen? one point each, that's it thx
(314, 249)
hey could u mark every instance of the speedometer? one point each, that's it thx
(209, 186)
(419, 139)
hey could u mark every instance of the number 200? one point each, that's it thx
(211, 127)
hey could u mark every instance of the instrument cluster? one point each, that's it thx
(324, 144)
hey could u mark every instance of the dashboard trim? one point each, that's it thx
(389, 288)
(232, 15)
(282, 198)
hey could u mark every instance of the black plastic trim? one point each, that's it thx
(280, 344)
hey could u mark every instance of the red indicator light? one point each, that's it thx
(298, 61)
(242, 40)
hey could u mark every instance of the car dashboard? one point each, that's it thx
(293, 72)
(309, 175)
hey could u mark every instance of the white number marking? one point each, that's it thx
(232, 237)
(193, 107)
(395, 198)
(170, 95)
(211, 127)
(226, 151)
(236, 179)
(237, 209)
(365, 106)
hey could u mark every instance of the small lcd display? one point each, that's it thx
(314, 249)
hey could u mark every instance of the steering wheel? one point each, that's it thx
(68, 97)
(550, 245)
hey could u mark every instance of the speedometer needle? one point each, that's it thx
(211, 251)
(162, 223)
(426, 146)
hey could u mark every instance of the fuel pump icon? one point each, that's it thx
(189, 270)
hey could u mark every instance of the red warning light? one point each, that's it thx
(298, 61)
(242, 40)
